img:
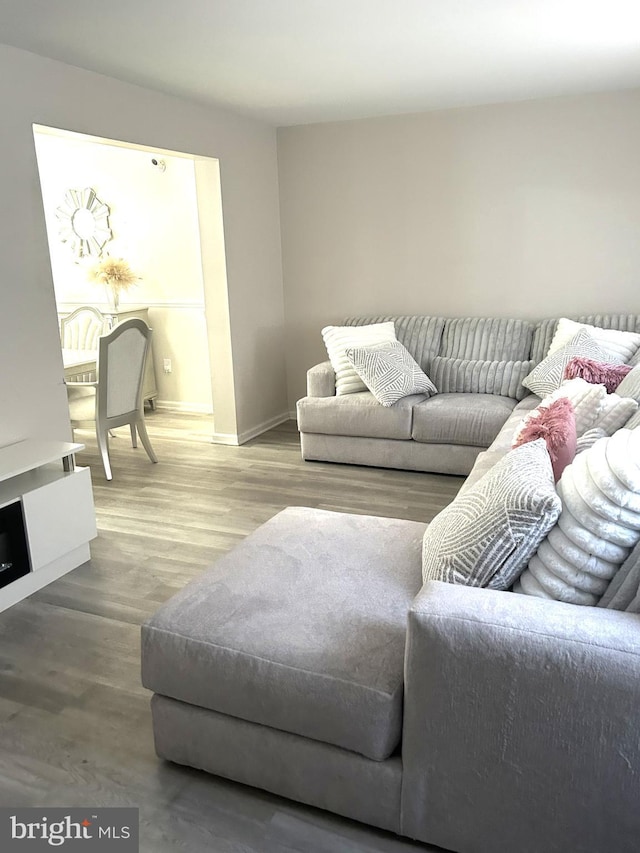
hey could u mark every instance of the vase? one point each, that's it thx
(113, 297)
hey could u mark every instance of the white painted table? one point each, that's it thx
(78, 361)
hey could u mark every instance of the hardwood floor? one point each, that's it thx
(74, 719)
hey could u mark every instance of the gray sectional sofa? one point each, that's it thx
(475, 362)
(311, 661)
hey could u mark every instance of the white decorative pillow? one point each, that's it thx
(390, 372)
(619, 346)
(486, 536)
(598, 525)
(634, 421)
(549, 374)
(615, 412)
(338, 339)
(586, 399)
(589, 438)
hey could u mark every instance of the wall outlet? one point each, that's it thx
(167, 365)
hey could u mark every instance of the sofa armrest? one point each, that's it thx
(321, 380)
(521, 724)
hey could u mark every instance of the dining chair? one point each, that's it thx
(116, 397)
(81, 328)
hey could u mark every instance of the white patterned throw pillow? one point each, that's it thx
(619, 346)
(549, 374)
(390, 372)
(487, 535)
(338, 339)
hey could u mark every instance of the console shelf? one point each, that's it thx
(46, 506)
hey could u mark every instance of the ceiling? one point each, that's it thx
(300, 61)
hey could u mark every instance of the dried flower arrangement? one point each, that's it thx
(116, 275)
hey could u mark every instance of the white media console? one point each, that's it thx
(47, 516)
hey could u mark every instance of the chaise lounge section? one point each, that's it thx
(309, 662)
(313, 662)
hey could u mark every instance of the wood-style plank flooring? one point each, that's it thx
(74, 720)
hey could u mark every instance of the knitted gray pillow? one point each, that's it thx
(487, 535)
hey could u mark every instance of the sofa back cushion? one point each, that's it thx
(483, 355)
(464, 376)
(487, 339)
(542, 337)
(623, 592)
(420, 335)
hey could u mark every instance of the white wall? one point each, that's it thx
(154, 221)
(37, 90)
(528, 209)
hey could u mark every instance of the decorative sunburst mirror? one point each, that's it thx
(83, 222)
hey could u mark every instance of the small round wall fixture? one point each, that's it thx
(83, 222)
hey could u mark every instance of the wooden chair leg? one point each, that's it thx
(103, 444)
(134, 435)
(144, 438)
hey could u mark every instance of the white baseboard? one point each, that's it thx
(263, 427)
(247, 435)
(229, 438)
(188, 408)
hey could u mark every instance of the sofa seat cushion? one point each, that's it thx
(502, 443)
(301, 627)
(357, 414)
(468, 419)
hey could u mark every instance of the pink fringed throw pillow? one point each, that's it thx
(556, 423)
(597, 372)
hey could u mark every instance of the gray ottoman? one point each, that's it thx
(291, 648)
(301, 627)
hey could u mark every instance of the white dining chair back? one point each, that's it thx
(81, 328)
(117, 399)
